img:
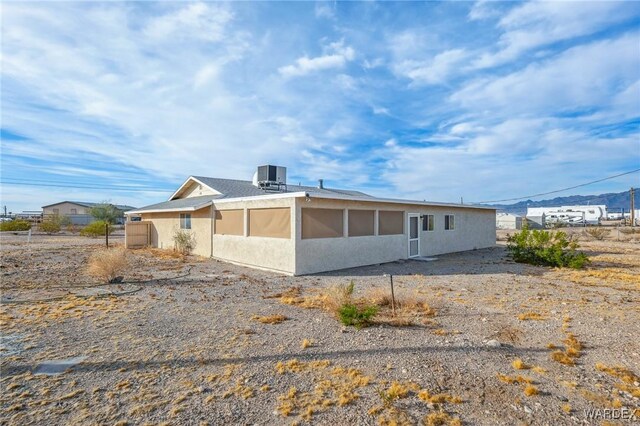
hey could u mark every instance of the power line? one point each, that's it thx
(559, 190)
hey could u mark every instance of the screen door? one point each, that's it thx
(414, 235)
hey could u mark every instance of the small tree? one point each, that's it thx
(107, 213)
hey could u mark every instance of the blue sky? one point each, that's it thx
(436, 101)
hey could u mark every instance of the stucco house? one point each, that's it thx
(298, 230)
(78, 211)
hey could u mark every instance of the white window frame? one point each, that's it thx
(449, 222)
(185, 219)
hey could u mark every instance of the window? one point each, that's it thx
(185, 220)
(427, 222)
(229, 222)
(74, 211)
(322, 223)
(449, 223)
(273, 223)
(390, 222)
(361, 223)
(56, 211)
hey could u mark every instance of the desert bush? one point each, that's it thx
(72, 228)
(15, 225)
(338, 296)
(108, 264)
(358, 316)
(184, 241)
(50, 225)
(96, 229)
(597, 233)
(546, 248)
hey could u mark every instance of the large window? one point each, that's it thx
(185, 220)
(274, 223)
(390, 222)
(361, 222)
(322, 223)
(229, 222)
(449, 223)
(428, 222)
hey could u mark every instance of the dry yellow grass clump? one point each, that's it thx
(306, 343)
(108, 264)
(531, 316)
(573, 348)
(410, 309)
(531, 390)
(626, 376)
(439, 398)
(441, 418)
(334, 386)
(270, 319)
(519, 364)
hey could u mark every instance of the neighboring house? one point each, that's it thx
(79, 212)
(302, 230)
(508, 221)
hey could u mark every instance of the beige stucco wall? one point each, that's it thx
(195, 189)
(473, 229)
(64, 209)
(277, 254)
(165, 224)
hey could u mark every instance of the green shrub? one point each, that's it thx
(546, 248)
(15, 225)
(50, 226)
(357, 316)
(96, 229)
(184, 240)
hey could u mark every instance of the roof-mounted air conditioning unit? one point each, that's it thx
(271, 177)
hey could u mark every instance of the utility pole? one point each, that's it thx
(633, 206)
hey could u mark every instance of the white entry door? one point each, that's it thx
(414, 235)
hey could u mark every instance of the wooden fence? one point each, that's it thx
(137, 234)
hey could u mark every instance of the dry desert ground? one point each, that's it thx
(476, 339)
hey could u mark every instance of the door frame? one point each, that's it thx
(409, 239)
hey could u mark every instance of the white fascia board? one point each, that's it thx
(399, 201)
(178, 209)
(349, 198)
(192, 179)
(261, 197)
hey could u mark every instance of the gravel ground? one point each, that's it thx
(178, 341)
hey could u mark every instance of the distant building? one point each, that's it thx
(508, 221)
(79, 212)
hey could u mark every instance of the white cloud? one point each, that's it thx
(337, 58)
(325, 9)
(437, 70)
(203, 21)
(483, 9)
(539, 23)
(585, 76)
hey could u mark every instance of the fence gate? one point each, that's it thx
(136, 234)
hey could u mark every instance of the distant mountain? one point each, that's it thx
(613, 201)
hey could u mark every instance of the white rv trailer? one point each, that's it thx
(566, 218)
(592, 214)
